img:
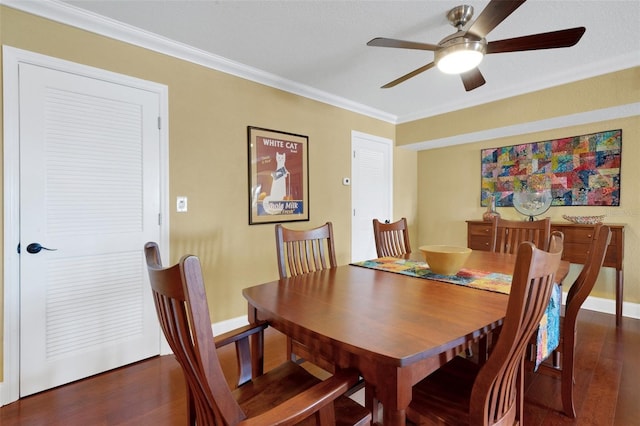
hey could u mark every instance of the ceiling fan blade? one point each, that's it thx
(495, 12)
(402, 44)
(408, 76)
(550, 40)
(472, 79)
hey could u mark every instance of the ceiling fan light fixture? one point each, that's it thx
(460, 57)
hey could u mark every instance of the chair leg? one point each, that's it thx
(566, 376)
(556, 359)
(191, 408)
(520, 391)
(289, 349)
(483, 349)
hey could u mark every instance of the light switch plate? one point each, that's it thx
(181, 204)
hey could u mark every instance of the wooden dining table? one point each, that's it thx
(395, 329)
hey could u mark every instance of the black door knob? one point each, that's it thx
(34, 248)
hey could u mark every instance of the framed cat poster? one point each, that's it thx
(278, 176)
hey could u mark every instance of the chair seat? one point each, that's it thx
(283, 383)
(444, 396)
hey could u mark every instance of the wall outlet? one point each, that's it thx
(346, 181)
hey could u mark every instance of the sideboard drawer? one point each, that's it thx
(479, 242)
(575, 252)
(479, 235)
(577, 235)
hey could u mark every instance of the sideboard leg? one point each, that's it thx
(619, 297)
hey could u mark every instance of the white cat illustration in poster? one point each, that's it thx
(278, 186)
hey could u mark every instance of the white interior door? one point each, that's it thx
(90, 192)
(371, 191)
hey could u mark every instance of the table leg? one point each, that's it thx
(619, 297)
(394, 392)
(257, 346)
(395, 418)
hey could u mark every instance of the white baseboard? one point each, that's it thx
(608, 306)
(228, 325)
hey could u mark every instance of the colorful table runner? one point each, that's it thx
(549, 330)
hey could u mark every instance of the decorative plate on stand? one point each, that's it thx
(532, 203)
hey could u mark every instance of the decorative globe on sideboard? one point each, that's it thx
(532, 203)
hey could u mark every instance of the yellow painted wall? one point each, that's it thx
(449, 178)
(209, 112)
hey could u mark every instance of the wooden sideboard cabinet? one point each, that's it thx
(576, 245)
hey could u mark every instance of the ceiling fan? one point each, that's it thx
(461, 52)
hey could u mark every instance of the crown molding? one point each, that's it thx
(604, 114)
(71, 15)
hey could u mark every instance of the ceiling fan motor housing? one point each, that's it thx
(459, 47)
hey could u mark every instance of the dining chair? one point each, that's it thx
(563, 358)
(510, 233)
(303, 251)
(556, 243)
(300, 252)
(465, 392)
(285, 395)
(392, 239)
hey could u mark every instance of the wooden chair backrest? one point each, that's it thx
(510, 233)
(303, 251)
(183, 312)
(585, 281)
(495, 397)
(392, 239)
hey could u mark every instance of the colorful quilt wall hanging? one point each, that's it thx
(579, 170)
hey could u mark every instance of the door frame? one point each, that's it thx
(12, 57)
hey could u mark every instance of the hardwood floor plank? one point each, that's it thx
(152, 392)
(600, 404)
(627, 405)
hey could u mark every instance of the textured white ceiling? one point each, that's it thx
(320, 45)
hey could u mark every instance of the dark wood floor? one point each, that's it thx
(151, 392)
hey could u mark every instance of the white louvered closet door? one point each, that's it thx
(89, 189)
